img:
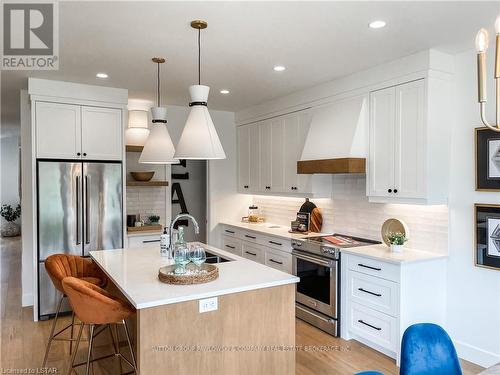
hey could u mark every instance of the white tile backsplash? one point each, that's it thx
(349, 212)
(146, 201)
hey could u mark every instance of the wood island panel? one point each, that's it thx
(256, 319)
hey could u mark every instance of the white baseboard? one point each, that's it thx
(27, 299)
(476, 355)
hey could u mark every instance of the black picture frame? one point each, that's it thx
(487, 235)
(487, 146)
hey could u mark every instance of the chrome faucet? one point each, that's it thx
(181, 216)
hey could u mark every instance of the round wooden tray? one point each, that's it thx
(209, 273)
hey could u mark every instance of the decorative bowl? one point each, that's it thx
(142, 176)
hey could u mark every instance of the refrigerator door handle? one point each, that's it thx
(78, 239)
(87, 210)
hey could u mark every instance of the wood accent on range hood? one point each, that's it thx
(326, 166)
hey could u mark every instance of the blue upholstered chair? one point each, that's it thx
(426, 349)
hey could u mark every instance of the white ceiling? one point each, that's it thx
(316, 41)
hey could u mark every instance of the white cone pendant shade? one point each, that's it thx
(159, 148)
(199, 139)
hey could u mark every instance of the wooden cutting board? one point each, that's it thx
(316, 220)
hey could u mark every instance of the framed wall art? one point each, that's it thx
(487, 144)
(487, 235)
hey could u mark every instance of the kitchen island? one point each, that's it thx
(249, 328)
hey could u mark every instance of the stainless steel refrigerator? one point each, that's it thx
(79, 210)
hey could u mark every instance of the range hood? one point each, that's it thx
(337, 141)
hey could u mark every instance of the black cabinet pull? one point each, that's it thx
(268, 187)
(78, 154)
(248, 236)
(395, 190)
(367, 291)
(149, 241)
(248, 252)
(369, 325)
(389, 190)
(276, 243)
(275, 261)
(369, 267)
(84, 154)
(231, 247)
(229, 231)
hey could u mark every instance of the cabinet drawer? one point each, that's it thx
(373, 325)
(374, 267)
(277, 243)
(378, 294)
(140, 241)
(251, 237)
(231, 244)
(254, 252)
(230, 231)
(279, 260)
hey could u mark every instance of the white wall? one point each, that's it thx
(9, 170)
(473, 293)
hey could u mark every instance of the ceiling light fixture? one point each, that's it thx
(376, 24)
(199, 139)
(158, 148)
(101, 75)
(138, 131)
(224, 91)
(482, 46)
(279, 68)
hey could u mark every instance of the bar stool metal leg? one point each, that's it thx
(70, 368)
(130, 345)
(91, 341)
(72, 326)
(51, 336)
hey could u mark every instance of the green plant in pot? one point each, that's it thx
(154, 219)
(397, 241)
(10, 228)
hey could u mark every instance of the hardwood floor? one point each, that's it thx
(22, 343)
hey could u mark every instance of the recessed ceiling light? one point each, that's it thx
(101, 75)
(279, 68)
(224, 91)
(376, 24)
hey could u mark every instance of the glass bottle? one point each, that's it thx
(181, 253)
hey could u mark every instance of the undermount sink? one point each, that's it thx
(274, 226)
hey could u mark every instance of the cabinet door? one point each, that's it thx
(254, 165)
(102, 133)
(409, 154)
(277, 156)
(243, 159)
(382, 124)
(265, 156)
(304, 181)
(291, 144)
(57, 130)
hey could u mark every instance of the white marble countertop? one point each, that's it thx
(135, 272)
(383, 253)
(271, 229)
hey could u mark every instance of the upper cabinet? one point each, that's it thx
(268, 152)
(408, 143)
(68, 131)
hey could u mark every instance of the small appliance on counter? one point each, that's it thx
(316, 260)
(309, 219)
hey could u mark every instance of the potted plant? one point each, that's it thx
(397, 241)
(154, 219)
(10, 229)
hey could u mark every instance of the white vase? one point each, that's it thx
(397, 248)
(10, 229)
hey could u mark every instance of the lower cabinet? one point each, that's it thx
(271, 251)
(143, 240)
(381, 299)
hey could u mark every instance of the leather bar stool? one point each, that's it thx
(58, 267)
(94, 306)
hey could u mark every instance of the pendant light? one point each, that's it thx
(158, 148)
(199, 139)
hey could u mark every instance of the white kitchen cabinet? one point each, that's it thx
(254, 159)
(243, 144)
(101, 133)
(380, 299)
(58, 130)
(271, 156)
(68, 131)
(406, 162)
(144, 240)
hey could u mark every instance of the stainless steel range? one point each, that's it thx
(316, 260)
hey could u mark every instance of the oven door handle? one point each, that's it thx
(327, 320)
(323, 262)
